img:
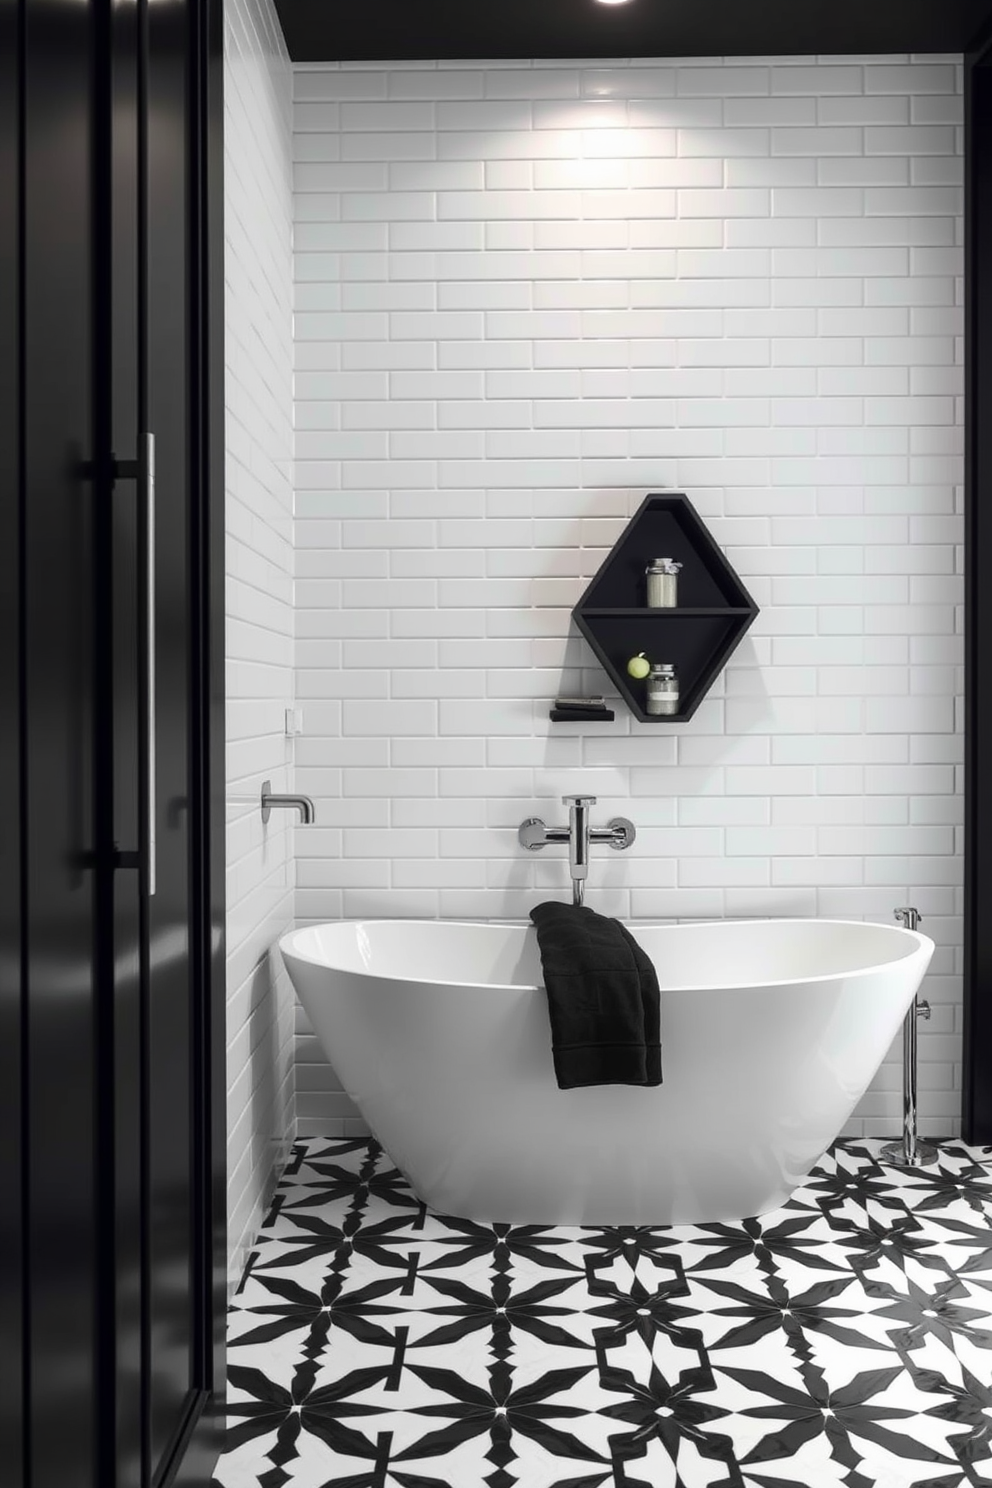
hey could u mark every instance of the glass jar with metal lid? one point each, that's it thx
(662, 690)
(662, 583)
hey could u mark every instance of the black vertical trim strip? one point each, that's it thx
(22, 744)
(198, 838)
(102, 495)
(215, 678)
(144, 918)
(969, 667)
(207, 674)
(977, 1052)
(191, 1465)
(123, 721)
(23, 1451)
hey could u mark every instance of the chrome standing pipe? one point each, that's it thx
(910, 1152)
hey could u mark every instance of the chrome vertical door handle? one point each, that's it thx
(147, 464)
(141, 470)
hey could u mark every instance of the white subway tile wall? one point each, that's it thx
(527, 295)
(259, 360)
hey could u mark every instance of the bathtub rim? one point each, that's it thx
(921, 943)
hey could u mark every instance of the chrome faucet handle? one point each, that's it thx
(578, 800)
(624, 833)
(533, 834)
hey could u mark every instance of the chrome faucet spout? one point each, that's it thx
(303, 804)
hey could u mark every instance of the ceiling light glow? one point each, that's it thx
(613, 2)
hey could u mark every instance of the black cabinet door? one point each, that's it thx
(111, 732)
(64, 1065)
(170, 1282)
(162, 676)
(177, 743)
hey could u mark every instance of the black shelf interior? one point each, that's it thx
(714, 612)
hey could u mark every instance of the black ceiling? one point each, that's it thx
(397, 30)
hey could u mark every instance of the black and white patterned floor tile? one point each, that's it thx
(845, 1339)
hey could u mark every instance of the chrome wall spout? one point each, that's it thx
(302, 804)
(618, 834)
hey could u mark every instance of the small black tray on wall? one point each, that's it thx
(714, 609)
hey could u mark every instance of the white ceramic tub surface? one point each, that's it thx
(771, 1032)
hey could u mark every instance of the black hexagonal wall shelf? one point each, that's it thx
(714, 609)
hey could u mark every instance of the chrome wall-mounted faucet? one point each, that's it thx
(618, 834)
(302, 804)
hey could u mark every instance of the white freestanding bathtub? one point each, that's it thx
(771, 1031)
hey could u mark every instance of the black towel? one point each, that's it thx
(603, 999)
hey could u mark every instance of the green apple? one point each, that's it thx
(638, 666)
